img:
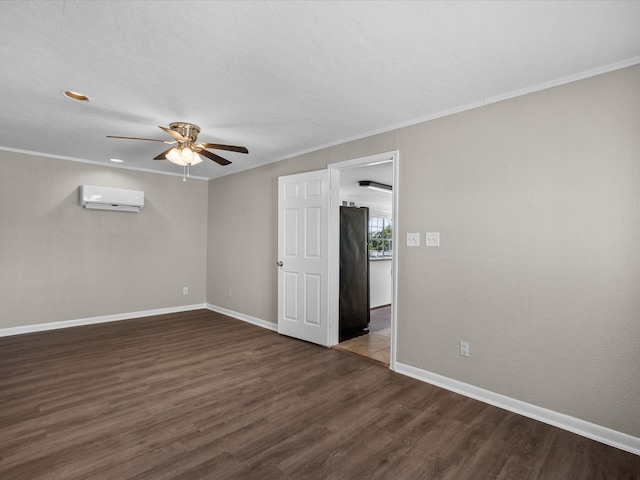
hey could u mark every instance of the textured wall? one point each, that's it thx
(242, 228)
(537, 200)
(538, 203)
(59, 261)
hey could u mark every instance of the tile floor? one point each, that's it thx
(374, 345)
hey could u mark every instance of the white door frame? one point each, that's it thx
(334, 244)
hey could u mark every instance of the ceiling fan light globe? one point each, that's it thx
(174, 156)
(196, 159)
(187, 155)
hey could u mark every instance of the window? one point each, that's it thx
(380, 237)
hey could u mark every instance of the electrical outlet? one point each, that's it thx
(185, 290)
(464, 348)
(228, 292)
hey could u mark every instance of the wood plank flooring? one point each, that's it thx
(198, 395)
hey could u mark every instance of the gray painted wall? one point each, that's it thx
(538, 203)
(537, 200)
(59, 261)
(242, 228)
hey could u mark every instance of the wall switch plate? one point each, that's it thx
(432, 239)
(464, 349)
(413, 239)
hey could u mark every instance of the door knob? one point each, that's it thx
(280, 263)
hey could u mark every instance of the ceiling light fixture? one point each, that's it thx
(185, 156)
(79, 97)
(379, 187)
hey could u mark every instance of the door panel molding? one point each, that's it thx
(303, 249)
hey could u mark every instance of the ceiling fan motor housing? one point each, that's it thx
(187, 130)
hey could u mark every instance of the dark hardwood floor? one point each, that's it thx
(198, 395)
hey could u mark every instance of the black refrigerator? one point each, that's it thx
(354, 272)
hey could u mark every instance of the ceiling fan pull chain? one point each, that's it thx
(184, 173)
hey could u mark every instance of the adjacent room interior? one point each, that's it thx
(369, 187)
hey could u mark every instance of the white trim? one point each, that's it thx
(363, 161)
(586, 429)
(444, 113)
(333, 297)
(101, 164)
(41, 327)
(394, 262)
(478, 103)
(334, 243)
(245, 318)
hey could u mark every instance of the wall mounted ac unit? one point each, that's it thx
(107, 198)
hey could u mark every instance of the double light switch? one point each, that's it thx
(432, 239)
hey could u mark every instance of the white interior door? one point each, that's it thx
(303, 249)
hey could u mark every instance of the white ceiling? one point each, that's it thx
(379, 203)
(280, 78)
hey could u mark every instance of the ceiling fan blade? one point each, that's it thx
(230, 148)
(163, 155)
(174, 134)
(213, 156)
(138, 138)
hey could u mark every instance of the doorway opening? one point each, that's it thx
(352, 179)
(375, 344)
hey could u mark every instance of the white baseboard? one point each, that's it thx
(586, 429)
(245, 318)
(5, 332)
(601, 434)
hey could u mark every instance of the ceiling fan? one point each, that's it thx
(188, 152)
